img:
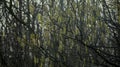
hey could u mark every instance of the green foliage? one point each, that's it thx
(60, 33)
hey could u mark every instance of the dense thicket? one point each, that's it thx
(59, 33)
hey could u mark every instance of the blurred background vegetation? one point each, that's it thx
(59, 33)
